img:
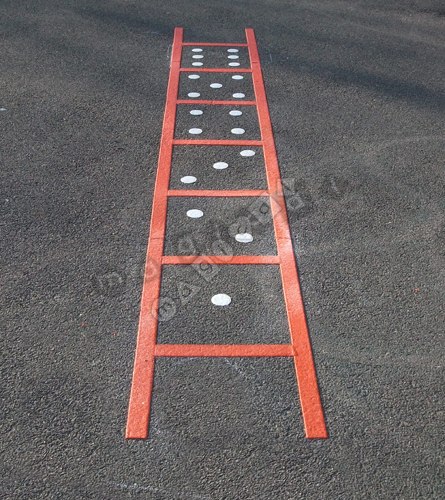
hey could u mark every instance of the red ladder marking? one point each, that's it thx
(147, 349)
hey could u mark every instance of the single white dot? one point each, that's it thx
(194, 213)
(196, 63)
(196, 50)
(237, 77)
(244, 238)
(247, 152)
(232, 50)
(215, 85)
(193, 94)
(232, 57)
(221, 299)
(194, 77)
(198, 56)
(239, 95)
(234, 64)
(195, 131)
(2, 109)
(235, 112)
(238, 131)
(196, 112)
(188, 179)
(220, 165)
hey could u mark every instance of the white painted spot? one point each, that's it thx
(188, 179)
(237, 77)
(194, 77)
(221, 299)
(244, 238)
(198, 56)
(234, 64)
(195, 131)
(220, 165)
(194, 213)
(215, 85)
(193, 94)
(235, 112)
(196, 63)
(232, 50)
(247, 152)
(239, 95)
(237, 131)
(2, 109)
(232, 57)
(196, 50)
(196, 112)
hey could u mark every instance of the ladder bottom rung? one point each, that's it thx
(222, 351)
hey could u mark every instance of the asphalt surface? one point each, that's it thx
(357, 101)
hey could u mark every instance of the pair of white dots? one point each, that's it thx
(195, 213)
(235, 131)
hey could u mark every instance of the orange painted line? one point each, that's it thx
(215, 142)
(221, 259)
(210, 44)
(217, 70)
(215, 193)
(312, 409)
(216, 103)
(143, 371)
(223, 351)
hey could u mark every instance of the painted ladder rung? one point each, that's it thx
(217, 70)
(220, 259)
(216, 194)
(222, 350)
(210, 44)
(215, 142)
(216, 103)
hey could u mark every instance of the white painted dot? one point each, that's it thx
(247, 152)
(194, 77)
(235, 112)
(198, 56)
(237, 77)
(2, 109)
(194, 213)
(220, 165)
(239, 95)
(195, 131)
(244, 238)
(221, 299)
(215, 85)
(234, 64)
(238, 131)
(196, 112)
(196, 63)
(232, 57)
(193, 94)
(196, 50)
(188, 179)
(232, 50)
